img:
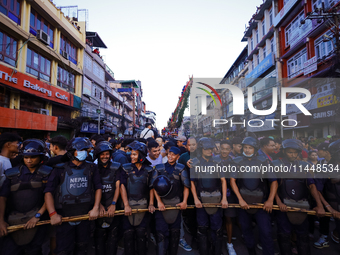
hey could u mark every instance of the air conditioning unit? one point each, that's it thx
(44, 37)
(44, 111)
(64, 54)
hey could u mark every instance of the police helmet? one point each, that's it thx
(33, 147)
(141, 148)
(249, 140)
(78, 144)
(101, 147)
(292, 144)
(334, 148)
(162, 185)
(206, 143)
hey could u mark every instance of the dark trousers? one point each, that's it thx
(324, 225)
(163, 227)
(284, 226)
(106, 239)
(144, 223)
(214, 221)
(33, 248)
(73, 238)
(263, 220)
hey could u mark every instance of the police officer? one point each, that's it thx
(253, 188)
(168, 181)
(208, 188)
(294, 191)
(23, 198)
(135, 192)
(106, 232)
(329, 186)
(73, 188)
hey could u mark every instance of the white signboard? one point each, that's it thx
(310, 65)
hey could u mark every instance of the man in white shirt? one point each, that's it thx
(154, 153)
(147, 132)
(9, 146)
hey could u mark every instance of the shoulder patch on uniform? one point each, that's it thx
(262, 158)
(12, 172)
(45, 170)
(217, 159)
(160, 167)
(149, 168)
(115, 165)
(60, 165)
(127, 167)
(180, 167)
(238, 159)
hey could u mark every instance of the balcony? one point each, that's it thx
(111, 108)
(128, 117)
(128, 105)
(113, 93)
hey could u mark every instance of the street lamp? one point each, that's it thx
(98, 111)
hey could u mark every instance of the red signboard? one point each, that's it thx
(33, 86)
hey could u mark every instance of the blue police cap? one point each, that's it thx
(175, 150)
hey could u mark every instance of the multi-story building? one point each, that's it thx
(262, 73)
(307, 50)
(235, 76)
(41, 58)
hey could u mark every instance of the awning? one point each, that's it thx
(95, 39)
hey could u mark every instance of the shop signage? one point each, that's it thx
(264, 65)
(310, 65)
(283, 12)
(33, 86)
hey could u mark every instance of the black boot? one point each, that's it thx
(160, 244)
(141, 241)
(129, 242)
(218, 242)
(202, 238)
(174, 241)
(252, 251)
(112, 242)
(99, 240)
(284, 244)
(303, 246)
(81, 248)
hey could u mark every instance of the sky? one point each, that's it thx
(162, 43)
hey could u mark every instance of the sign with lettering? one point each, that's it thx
(310, 65)
(33, 86)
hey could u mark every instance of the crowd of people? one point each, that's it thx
(150, 179)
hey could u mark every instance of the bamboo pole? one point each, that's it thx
(133, 211)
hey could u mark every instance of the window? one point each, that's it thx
(251, 44)
(272, 45)
(11, 8)
(4, 97)
(38, 23)
(295, 64)
(324, 49)
(8, 49)
(257, 36)
(316, 4)
(264, 52)
(257, 59)
(293, 26)
(252, 65)
(98, 71)
(38, 65)
(31, 103)
(271, 17)
(264, 27)
(67, 46)
(65, 79)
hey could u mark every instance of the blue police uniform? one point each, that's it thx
(24, 193)
(248, 187)
(73, 188)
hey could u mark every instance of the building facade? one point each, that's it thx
(41, 69)
(308, 54)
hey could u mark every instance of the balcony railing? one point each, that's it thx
(128, 105)
(113, 92)
(111, 108)
(128, 117)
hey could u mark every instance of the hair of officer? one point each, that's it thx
(265, 141)
(106, 136)
(169, 145)
(95, 137)
(152, 144)
(278, 140)
(8, 137)
(142, 140)
(127, 141)
(100, 139)
(147, 124)
(236, 140)
(59, 141)
(227, 142)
